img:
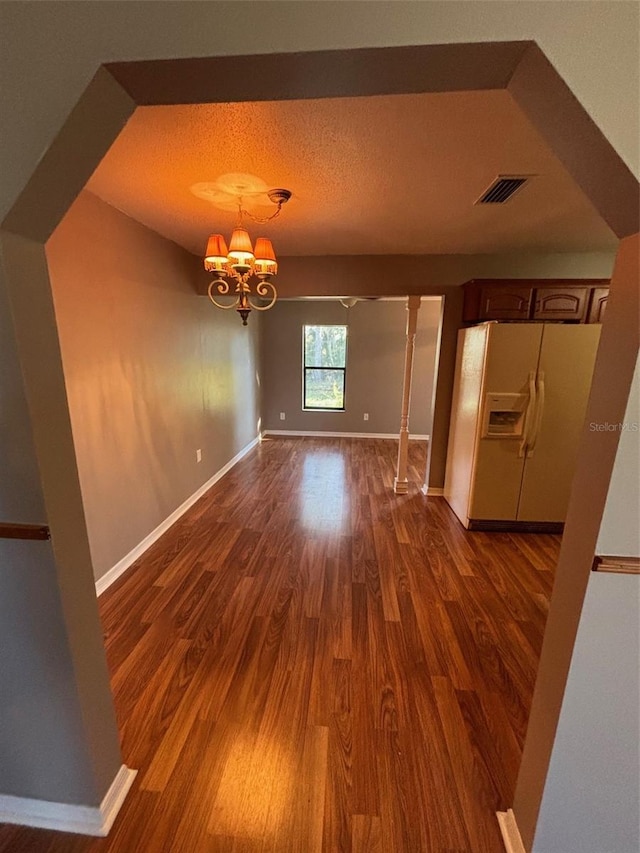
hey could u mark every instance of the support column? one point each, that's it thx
(451, 322)
(401, 484)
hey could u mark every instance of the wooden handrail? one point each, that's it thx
(11, 530)
(619, 565)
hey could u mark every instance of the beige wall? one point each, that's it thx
(390, 275)
(153, 372)
(375, 365)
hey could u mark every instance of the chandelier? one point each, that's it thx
(240, 262)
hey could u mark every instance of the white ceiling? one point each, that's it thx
(378, 175)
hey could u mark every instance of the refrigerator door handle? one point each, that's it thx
(530, 416)
(539, 414)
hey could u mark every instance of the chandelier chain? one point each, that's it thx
(259, 219)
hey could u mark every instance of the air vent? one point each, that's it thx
(501, 190)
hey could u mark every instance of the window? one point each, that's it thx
(325, 362)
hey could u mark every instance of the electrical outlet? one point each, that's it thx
(366, 416)
(198, 455)
(282, 416)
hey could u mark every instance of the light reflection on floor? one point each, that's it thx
(255, 791)
(324, 500)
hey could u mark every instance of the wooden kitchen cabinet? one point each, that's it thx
(496, 300)
(567, 303)
(505, 303)
(599, 298)
(535, 300)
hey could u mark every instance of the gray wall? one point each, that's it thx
(153, 372)
(45, 744)
(619, 532)
(58, 733)
(375, 365)
(20, 493)
(591, 799)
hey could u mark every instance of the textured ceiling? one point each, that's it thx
(378, 175)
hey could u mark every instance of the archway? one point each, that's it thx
(519, 67)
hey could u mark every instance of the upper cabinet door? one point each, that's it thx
(561, 303)
(599, 297)
(505, 303)
(542, 300)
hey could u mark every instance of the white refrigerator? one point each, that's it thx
(519, 402)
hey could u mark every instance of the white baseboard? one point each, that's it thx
(122, 565)
(66, 817)
(510, 832)
(321, 434)
(432, 491)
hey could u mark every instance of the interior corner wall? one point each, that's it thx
(619, 534)
(153, 373)
(375, 365)
(591, 799)
(21, 496)
(45, 749)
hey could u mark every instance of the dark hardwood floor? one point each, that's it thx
(308, 662)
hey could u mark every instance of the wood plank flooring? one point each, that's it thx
(307, 662)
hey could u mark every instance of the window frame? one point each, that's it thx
(306, 368)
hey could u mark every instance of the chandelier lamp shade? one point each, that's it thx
(241, 261)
